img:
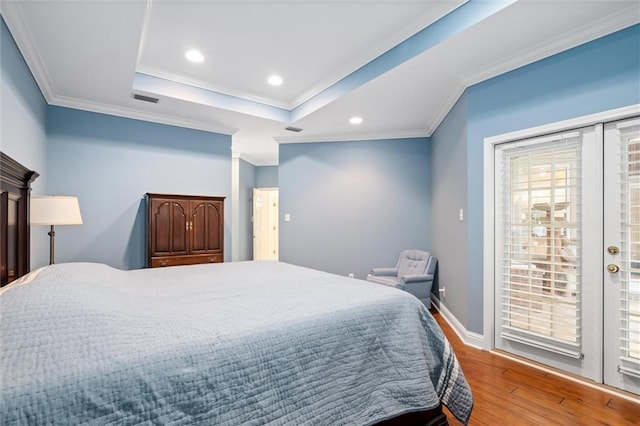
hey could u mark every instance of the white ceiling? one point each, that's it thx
(93, 55)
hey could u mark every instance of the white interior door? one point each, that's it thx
(265, 224)
(622, 254)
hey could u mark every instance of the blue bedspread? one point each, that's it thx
(242, 343)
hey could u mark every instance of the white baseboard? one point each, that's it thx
(469, 338)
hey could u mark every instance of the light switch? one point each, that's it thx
(287, 217)
(461, 214)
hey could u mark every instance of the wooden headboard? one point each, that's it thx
(15, 183)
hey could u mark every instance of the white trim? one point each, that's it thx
(488, 237)
(592, 31)
(469, 338)
(143, 33)
(417, 133)
(572, 123)
(608, 25)
(489, 198)
(365, 57)
(138, 115)
(19, 29)
(154, 72)
(235, 208)
(445, 107)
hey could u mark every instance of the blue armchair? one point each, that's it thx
(413, 273)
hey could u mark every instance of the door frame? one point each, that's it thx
(489, 198)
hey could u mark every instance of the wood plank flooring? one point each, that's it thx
(509, 393)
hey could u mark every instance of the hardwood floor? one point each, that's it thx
(509, 393)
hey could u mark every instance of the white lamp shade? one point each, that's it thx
(55, 210)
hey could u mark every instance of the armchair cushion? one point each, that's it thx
(393, 272)
(415, 277)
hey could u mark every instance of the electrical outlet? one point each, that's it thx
(351, 275)
(443, 293)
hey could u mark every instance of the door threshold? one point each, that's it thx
(572, 377)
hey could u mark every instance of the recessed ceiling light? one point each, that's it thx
(194, 56)
(275, 80)
(355, 120)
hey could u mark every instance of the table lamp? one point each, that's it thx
(54, 210)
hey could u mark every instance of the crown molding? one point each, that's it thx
(445, 107)
(416, 133)
(209, 87)
(605, 26)
(358, 61)
(124, 112)
(260, 160)
(24, 40)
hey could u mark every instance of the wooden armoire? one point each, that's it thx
(184, 229)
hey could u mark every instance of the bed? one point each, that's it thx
(224, 344)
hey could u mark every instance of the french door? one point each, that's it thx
(622, 255)
(567, 235)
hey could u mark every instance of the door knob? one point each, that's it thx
(612, 268)
(613, 250)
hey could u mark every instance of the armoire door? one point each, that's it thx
(169, 220)
(205, 226)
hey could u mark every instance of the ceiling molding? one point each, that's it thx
(143, 32)
(211, 88)
(354, 63)
(360, 60)
(608, 25)
(260, 160)
(139, 115)
(450, 25)
(605, 26)
(24, 40)
(445, 107)
(185, 92)
(416, 133)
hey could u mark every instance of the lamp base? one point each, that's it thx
(52, 237)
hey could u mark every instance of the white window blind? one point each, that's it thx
(540, 274)
(630, 251)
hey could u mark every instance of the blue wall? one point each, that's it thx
(448, 189)
(597, 76)
(109, 163)
(22, 128)
(354, 205)
(267, 177)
